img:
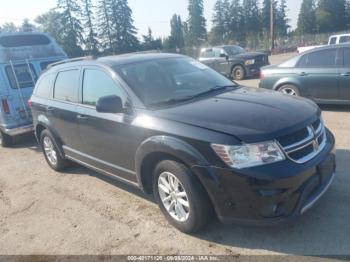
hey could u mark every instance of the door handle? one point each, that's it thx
(345, 74)
(82, 117)
(303, 74)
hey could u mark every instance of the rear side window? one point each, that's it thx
(344, 39)
(319, 59)
(333, 41)
(43, 87)
(347, 57)
(21, 75)
(97, 84)
(66, 86)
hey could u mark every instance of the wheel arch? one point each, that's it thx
(287, 81)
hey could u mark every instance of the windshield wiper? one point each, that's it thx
(188, 98)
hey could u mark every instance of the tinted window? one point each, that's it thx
(43, 87)
(344, 39)
(347, 57)
(333, 41)
(290, 63)
(98, 84)
(66, 86)
(23, 74)
(324, 58)
(24, 40)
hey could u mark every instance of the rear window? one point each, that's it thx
(344, 39)
(21, 76)
(66, 86)
(43, 87)
(24, 40)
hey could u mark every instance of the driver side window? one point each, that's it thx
(97, 84)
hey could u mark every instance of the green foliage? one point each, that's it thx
(27, 26)
(176, 40)
(90, 39)
(307, 18)
(282, 22)
(197, 32)
(331, 15)
(50, 22)
(8, 28)
(149, 43)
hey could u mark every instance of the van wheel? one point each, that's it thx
(51, 153)
(238, 73)
(181, 197)
(291, 90)
(6, 140)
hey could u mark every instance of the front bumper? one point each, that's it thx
(270, 194)
(18, 130)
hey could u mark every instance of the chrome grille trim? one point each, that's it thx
(311, 139)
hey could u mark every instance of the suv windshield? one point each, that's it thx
(233, 50)
(165, 81)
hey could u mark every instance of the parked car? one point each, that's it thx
(233, 61)
(23, 56)
(322, 74)
(200, 143)
(333, 40)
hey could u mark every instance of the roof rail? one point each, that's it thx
(71, 60)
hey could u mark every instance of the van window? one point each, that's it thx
(347, 57)
(344, 39)
(97, 84)
(66, 86)
(24, 75)
(333, 41)
(43, 87)
(24, 40)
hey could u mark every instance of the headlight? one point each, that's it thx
(250, 62)
(249, 155)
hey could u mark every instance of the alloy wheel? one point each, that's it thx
(289, 91)
(50, 151)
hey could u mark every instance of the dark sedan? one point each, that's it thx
(233, 61)
(322, 75)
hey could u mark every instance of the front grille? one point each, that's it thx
(262, 59)
(305, 144)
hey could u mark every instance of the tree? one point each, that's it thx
(123, 29)
(9, 28)
(266, 15)
(331, 16)
(149, 43)
(347, 13)
(218, 31)
(27, 26)
(197, 32)
(282, 21)
(307, 18)
(176, 38)
(71, 30)
(104, 26)
(91, 41)
(50, 22)
(251, 14)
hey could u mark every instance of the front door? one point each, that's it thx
(318, 74)
(104, 137)
(344, 76)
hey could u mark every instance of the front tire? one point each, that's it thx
(6, 140)
(291, 90)
(51, 153)
(238, 73)
(181, 197)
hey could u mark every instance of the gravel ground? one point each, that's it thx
(82, 212)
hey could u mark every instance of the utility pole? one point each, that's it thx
(272, 25)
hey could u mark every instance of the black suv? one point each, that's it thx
(176, 128)
(233, 61)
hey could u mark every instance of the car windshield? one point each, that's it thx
(164, 81)
(234, 50)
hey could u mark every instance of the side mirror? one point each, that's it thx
(224, 56)
(110, 104)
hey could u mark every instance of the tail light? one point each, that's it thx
(5, 106)
(30, 103)
(262, 75)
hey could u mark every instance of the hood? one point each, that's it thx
(251, 115)
(249, 55)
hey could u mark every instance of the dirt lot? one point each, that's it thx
(81, 212)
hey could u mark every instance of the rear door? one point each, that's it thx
(208, 58)
(344, 76)
(61, 111)
(318, 74)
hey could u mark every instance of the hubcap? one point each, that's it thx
(50, 151)
(289, 91)
(173, 196)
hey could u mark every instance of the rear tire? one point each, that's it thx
(291, 90)
(238, 73)
(51, 152)
(188, 208)
(6, 140)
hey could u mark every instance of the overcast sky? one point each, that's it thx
(147, 13)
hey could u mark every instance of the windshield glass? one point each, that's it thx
(172, 79)
(234, 50)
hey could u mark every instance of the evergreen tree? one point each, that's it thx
(197, 32)
(50, 22)
(149, 43)
(307, 18)
(91, 41)
(330, 15)
(237, 21)
(266, 15)
(104, 26)
(282, 21)
(218, 30)
(71, 31)
(251, 14)
(123, 29)
(347, 14)
(176, 34)
(9, 28)
(27, 26)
